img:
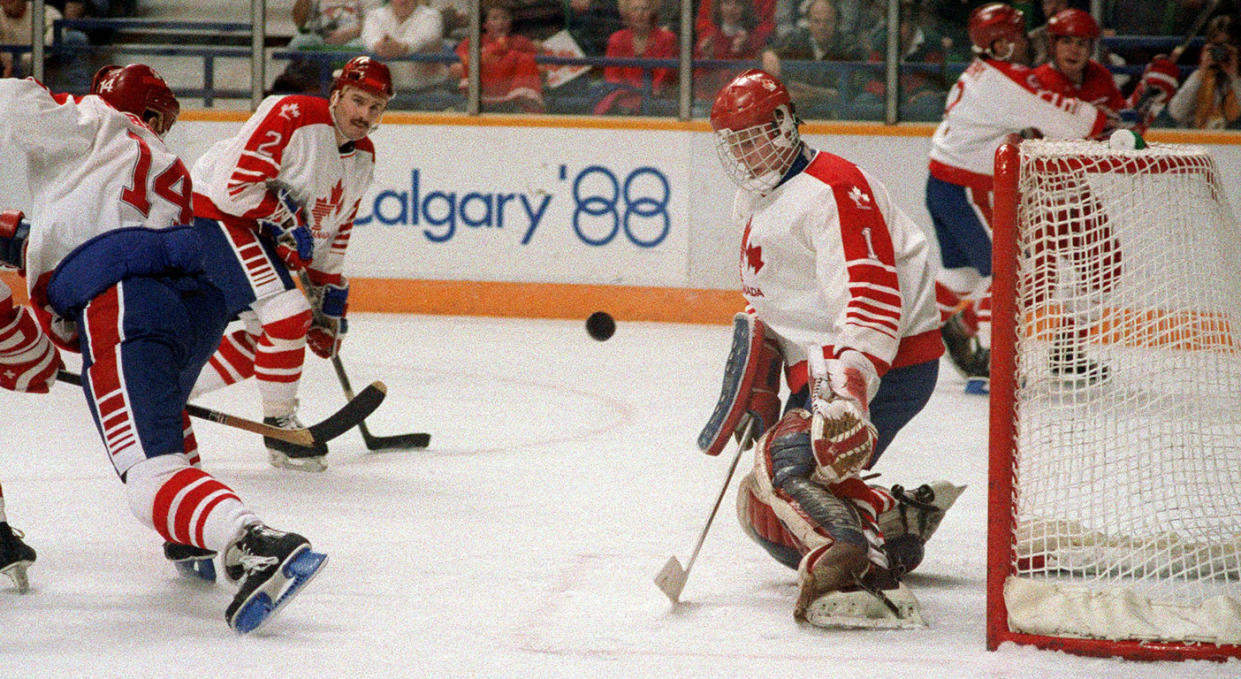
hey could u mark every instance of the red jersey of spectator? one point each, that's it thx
(509, 72)
(660, 44)
(764, 11)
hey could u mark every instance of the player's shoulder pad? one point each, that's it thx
(1019, 73)
(296, 110)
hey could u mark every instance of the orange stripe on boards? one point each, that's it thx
(544, 300)
(1152, 328)
(524, 300)
(856, 128)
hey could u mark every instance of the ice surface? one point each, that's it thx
(523, 543)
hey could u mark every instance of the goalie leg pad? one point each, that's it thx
(751, 385)
(759, 521)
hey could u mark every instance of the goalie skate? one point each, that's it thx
(895, 608)
(15, 557)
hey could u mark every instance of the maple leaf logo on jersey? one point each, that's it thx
(323, 208)
(754, 257)
(290, 111)
(860, 199)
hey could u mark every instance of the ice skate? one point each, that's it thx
(15, 556)
(291, 456)
(1071, 368)
(192, 562)
(967, 355)
(270, 567)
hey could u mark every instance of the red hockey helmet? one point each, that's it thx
(995, 21)
(755, 130)
(140, 90)
(366, 74)
(1073, 22)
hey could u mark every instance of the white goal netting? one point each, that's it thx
(1127, 472)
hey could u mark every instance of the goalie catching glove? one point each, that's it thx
(329, 300)
(287, 228)
(841, 433)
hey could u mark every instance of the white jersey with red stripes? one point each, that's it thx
(828, 260)
(993, 99)
(290, 140)
(90, 169)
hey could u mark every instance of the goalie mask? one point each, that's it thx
(140, 90)
(756, 134)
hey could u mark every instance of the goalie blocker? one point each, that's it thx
(751, 387)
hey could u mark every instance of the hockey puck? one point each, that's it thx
(600, 325)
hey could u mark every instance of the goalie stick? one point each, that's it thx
(671, 578)
(334, 425)
(393, 442)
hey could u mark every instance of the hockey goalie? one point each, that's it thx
(841, 292)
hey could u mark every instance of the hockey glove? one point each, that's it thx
(14, 230)
(841, 434)
(329, 303)
(295, 244)
(28, 360)
(1158, 83)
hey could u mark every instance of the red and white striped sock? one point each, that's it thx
(278, 363)
(185, 504)
(232, 362)
(189, 441)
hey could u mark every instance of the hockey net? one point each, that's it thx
(1115, 510)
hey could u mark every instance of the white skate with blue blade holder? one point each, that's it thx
(272, 567)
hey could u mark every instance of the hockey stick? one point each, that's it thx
(334, 425)
(395, 441)
(1193, 30)
(671, 578)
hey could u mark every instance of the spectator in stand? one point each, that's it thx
(814, 88)
(764, 20)
(404, 28)
(731, 35)
(922, 91)
(1209, 99)
(456, 15)
(509, 75)
(329, 23)
(641, 38)
(66, 68)
(591, 22)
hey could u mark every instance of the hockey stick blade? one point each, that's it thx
(393, 442)
(351, 415)
(671, 580)
(336, 424)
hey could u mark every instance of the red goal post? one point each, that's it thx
(1114, 509)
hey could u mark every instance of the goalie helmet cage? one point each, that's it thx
(1114, 509)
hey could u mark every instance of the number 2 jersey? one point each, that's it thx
(290, 141)
(91, 170)
(991, 100)
(830, 263)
